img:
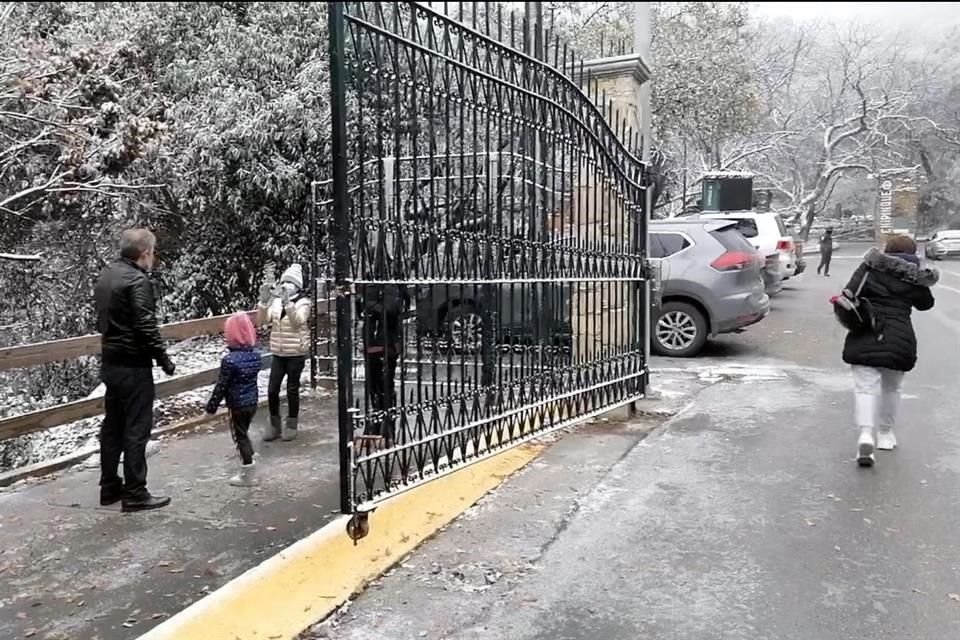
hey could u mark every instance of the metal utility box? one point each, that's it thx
(728, 192)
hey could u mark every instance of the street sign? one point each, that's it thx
(884, 216)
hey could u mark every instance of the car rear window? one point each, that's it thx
(747, 227)
(663, 245)
(781, 225)
(732, 239)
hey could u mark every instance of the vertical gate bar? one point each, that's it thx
(395, 420)
(433, 236)
(360, 206)
(381, 264)
(602, 221)
(443, 239)
(462, 187)
(646, 193)
(341, 212)
(415, 242)
(511, 250)
(314, 276)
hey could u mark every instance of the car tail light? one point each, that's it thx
(736, 261)
(785, 245)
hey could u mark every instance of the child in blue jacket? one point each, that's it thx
(239, 370)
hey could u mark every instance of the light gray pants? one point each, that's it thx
(877, 396)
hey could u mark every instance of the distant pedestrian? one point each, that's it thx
(826, 252)
(130, 344)
(285, 308)
(894, 283)
(237, 384)
(381, 308)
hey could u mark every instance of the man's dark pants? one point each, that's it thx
(126, 429)
(825, 257)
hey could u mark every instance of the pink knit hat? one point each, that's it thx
(239, 331)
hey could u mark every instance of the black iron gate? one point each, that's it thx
(487, 240)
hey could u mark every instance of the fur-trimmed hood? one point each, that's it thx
(901, 269)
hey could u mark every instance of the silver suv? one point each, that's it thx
(711, 284)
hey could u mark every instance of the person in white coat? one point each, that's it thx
(285, 308)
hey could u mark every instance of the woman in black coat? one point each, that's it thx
(894, 283)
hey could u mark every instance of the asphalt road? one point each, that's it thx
(742, 517)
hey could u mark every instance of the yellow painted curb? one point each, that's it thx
(284, 595)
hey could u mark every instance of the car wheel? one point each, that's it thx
(465, 329)
(680, 331)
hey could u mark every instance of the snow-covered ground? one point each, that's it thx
(190, 356)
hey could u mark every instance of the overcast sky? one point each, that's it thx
(914, 16)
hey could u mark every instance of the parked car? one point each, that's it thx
(768, 234)
(520, 313)
(942, 245)
(711, 283)
(455, 314)
(788, 258)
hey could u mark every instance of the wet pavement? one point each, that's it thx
(743, 517)
(71, 569)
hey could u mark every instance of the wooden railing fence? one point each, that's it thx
(32, 355)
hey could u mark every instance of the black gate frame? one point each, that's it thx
(432, 238)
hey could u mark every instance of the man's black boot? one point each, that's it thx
(109, 497)
(145, 503)
(110, 493)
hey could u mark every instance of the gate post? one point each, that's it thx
(341, 250)
(616, 85)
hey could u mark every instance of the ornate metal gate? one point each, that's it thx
(487, 238)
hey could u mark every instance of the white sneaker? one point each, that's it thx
(886, 441)
(865, 448)
(247, 476)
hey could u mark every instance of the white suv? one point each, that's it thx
(769, 236)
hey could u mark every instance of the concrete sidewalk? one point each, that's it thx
(72, 569)
(744, 518)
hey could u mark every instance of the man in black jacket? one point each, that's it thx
(130, 343)
(826, 252)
